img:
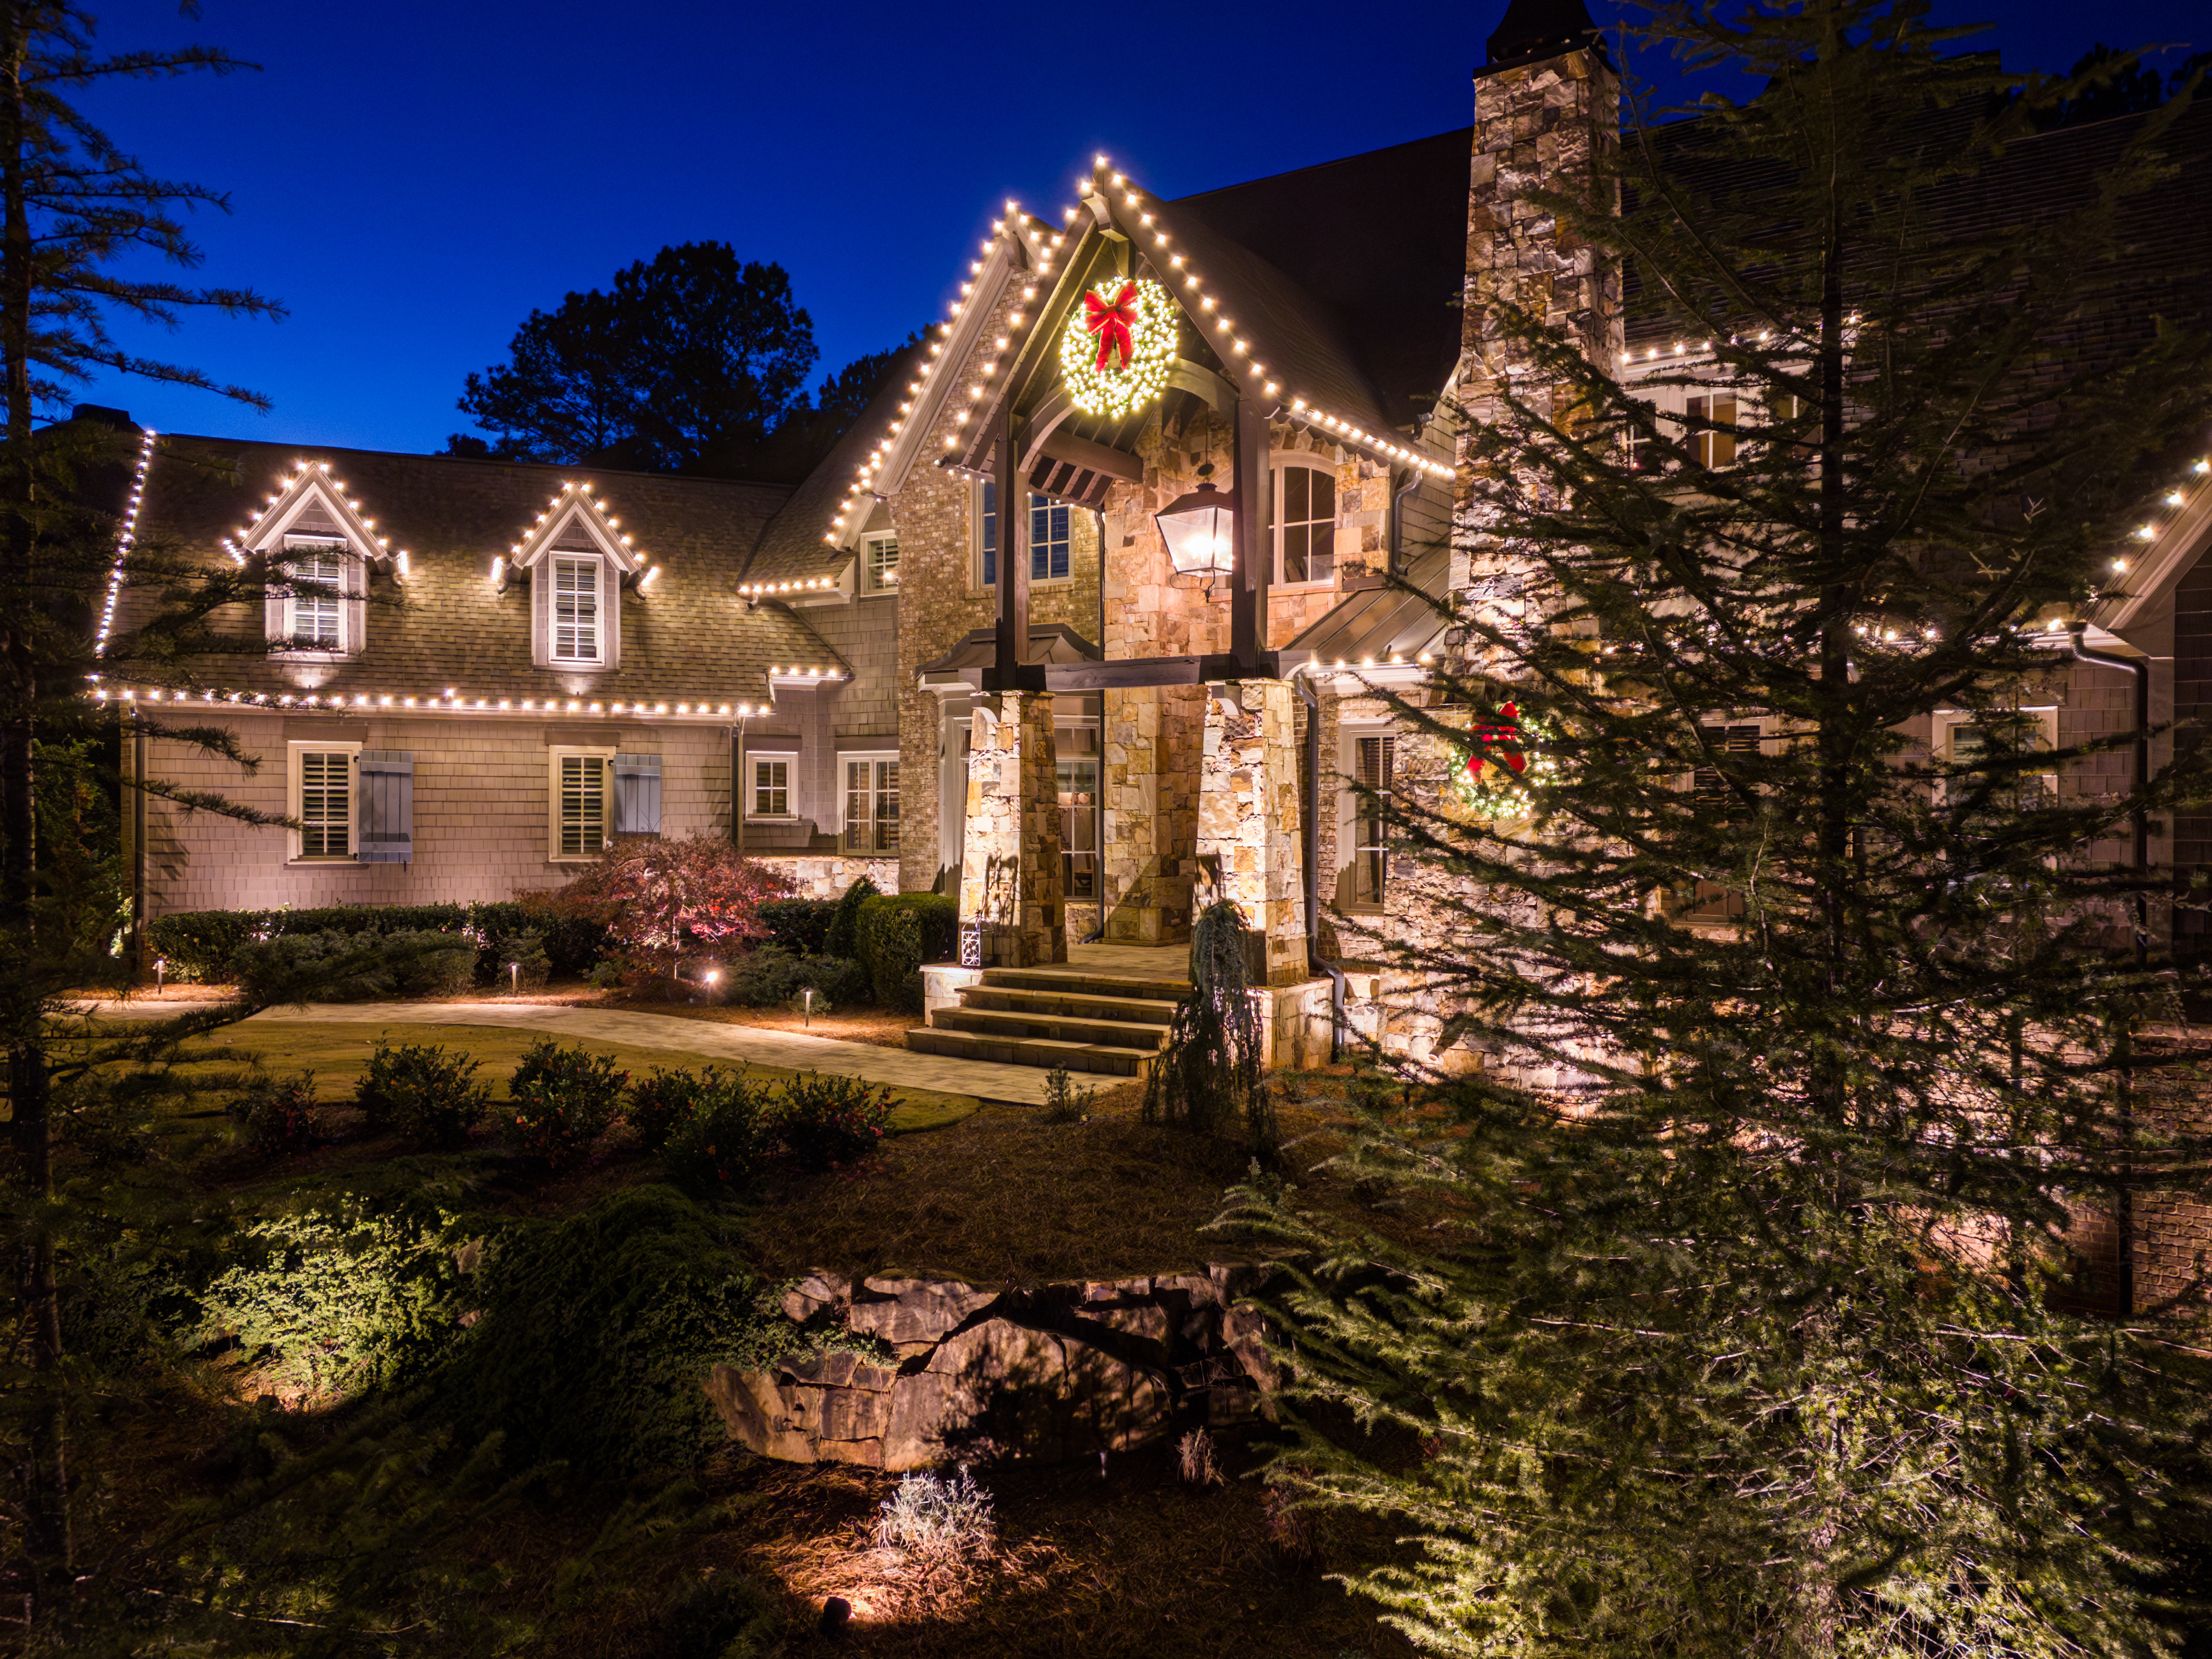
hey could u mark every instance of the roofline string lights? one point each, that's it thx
(2173, 501)
(126, 539)
(450, 701)
(764, 590)
(570, 489)
(865, 476)
(233, 544)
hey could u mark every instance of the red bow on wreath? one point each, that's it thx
(1505, 736)
(1111, 322)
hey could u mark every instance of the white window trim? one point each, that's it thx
(755, 760)
(351, 576)
(554, 754)
(294, 781)
(552, 563)
(1944, 721)
(866, 577)
(1277, 461)
(1348, 734)
(872, 755)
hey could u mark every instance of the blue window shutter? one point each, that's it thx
(637, 795)
(387, 807)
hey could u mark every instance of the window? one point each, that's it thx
(1794, 414)
(1711, 791)
(1051, 538)
(1962, 738)
(872, 806)
(1712, 450)
(771, 789)
(576, 610)
(325, 800)
(1370, 857)
(325, 805)
(313, 609)
(579, 800)
(1078, 811)
(1305, 524)
(879, 563)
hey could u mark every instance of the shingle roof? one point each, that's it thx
(791, 548)
(688, 637)
(1375, 247)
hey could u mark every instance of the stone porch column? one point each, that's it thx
(1009, 856)
(1248, 820)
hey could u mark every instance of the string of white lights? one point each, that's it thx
(454, 703)
(125, 540)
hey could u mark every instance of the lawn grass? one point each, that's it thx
(337, 1053)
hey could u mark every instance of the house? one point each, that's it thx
(963, 655)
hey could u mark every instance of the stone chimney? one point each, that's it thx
(1546, 105)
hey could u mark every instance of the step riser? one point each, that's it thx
(1055, 1006)
(991, 1023)
(969, 1045)
(1077, 983)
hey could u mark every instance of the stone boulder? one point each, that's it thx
(955, 1371)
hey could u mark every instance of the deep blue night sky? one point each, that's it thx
(411, 178)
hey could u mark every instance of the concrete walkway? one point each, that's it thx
(793, 1050)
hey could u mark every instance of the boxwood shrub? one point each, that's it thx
(896, 934)
(202, 944)
(797, 925)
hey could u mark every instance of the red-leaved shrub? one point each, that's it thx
(671, 907)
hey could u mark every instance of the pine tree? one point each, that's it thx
(1735, 1329)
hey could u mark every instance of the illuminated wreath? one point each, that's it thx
(1505, 764)
(1116, 352)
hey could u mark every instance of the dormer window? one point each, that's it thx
(576, 608)
(314, 609)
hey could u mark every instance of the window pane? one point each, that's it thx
(883, 561)
(1294, 553)
(988, 537)
(576, 610)
(314, 609)
(771, 789)
(856, 806)
(1321, 556)
(583, 805)
(1370, 866)
(887, 806)
(1294, 494)
(1324, 496)
(325, 782)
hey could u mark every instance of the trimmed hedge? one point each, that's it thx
(895, 933)
(797, 925)
(202, 944)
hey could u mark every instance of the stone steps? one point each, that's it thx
(1057, 1028)
(1028, 1051)
(1055, 1017)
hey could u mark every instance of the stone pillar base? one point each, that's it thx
(1249, 822)
(1011, 908)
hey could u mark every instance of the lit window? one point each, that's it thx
(1079, 813)
(880, 559)
(1708, 786)
(771, 789)
(325, 806)
(1051, 538)
(579, 805)
(1305, 524)
(314, 616)
(1370, 856)
(576, 610)
(1713, 449)
(872, 806)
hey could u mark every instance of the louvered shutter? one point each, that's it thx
(388, 806)
(1710, 788)
(637, 795)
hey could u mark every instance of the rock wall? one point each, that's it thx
(1010, 872)
(958, 1372)
(1248, 820)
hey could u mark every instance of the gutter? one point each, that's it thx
(1315, 960)
(2123, 1209)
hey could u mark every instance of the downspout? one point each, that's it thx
(2123, 1216)
(1301, 683)
(737, 786)
(140, 966)
(1398, 522)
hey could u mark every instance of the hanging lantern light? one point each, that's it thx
(1201, 529)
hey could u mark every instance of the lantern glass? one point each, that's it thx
(1200, 532)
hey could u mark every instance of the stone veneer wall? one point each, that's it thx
(1010, 872)
(1249, 818)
